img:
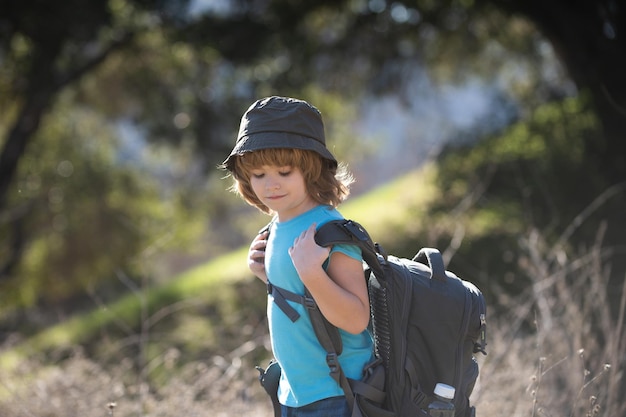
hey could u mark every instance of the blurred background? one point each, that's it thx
(494, 130)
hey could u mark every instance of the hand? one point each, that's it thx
(340, 291)
(306, 254)
(256, 256)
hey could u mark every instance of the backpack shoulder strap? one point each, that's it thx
(350, 232)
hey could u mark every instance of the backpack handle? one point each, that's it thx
(432, 257)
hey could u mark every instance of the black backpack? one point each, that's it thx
(427, 324)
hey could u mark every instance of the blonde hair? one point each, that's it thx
(325, 183)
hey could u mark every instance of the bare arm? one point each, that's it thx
(340, 292)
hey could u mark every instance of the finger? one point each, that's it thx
(257, 251)
(260, 237)
(308, 231)
(260, 245)
(258, 242)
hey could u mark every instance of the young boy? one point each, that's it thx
(280, 164)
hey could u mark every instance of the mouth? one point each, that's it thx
(275, 197)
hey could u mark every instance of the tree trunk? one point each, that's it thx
(18, 138)
(16, 143)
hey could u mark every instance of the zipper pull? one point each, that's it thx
(483, 334)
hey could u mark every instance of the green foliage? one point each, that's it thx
(539, 164)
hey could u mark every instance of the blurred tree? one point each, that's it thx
(93, 213)
(76, 210)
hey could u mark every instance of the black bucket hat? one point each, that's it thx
(280, 122)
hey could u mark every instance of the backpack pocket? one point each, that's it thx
(369, 394)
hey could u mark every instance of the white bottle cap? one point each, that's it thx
(444, 391)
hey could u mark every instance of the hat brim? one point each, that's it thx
(274, 140)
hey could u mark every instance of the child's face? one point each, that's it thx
(282, 190)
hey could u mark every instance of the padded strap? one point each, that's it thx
(350, 232)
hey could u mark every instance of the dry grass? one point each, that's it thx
(79, 387)
(558, 350)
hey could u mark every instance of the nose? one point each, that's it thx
(272, 183)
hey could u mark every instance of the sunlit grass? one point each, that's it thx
(394, 202)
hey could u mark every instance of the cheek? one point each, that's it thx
(255, 184)
(301, 182)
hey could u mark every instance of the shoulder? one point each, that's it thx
(326, 214)
(330, 214)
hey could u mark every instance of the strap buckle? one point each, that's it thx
(309, 302)
(332, 362)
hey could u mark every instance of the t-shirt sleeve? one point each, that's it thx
(352, 251)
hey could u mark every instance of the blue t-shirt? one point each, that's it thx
(305, 375)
